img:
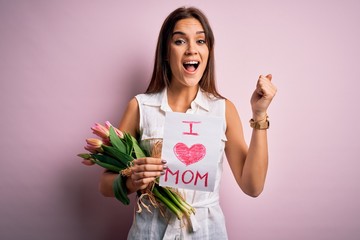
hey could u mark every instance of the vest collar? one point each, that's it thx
(160, 100)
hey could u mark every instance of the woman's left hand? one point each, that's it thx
(262, 96)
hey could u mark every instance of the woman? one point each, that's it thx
(183, 81)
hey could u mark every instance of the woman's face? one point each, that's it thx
(188, 54)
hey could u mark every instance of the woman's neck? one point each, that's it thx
(180, 98)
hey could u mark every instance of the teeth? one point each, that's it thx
(191, 62)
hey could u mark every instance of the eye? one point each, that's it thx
(201, 41)
(179, 41)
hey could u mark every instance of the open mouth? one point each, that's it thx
(191, 66)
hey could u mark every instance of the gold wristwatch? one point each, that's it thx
(260, 125)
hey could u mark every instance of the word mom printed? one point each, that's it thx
(191, 147)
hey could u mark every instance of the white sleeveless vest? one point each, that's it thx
(208, 222)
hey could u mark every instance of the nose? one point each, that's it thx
(191, 49)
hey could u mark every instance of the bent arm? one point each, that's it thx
(248, 164)
(129, 123)
(143, 170)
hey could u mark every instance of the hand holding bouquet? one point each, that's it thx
(116, 151)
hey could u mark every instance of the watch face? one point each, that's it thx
(264, 125)
(260, 125)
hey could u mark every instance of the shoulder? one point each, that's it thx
(210, 102)
(231, 113)
(133, 104)
(230, 107)
(130, 118)
(149, 98)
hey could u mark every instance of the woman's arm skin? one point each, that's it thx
(144, 170)
(249, 164)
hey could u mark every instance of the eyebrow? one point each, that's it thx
(182, 33)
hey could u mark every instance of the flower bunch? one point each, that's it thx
(115, 151)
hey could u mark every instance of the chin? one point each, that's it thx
(192, 82)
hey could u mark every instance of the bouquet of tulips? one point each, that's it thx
(115, 151)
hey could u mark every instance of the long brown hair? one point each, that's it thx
(161, 75)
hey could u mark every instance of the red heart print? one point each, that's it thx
(189, 155)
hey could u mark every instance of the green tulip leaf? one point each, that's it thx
(139, 153)
(108, 160)
(117, 155)
(128, 143)
(116, 140)
(106, 165)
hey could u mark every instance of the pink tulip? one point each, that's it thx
(100, 130)
(106, 142)
(117, 131)
(87, 162)
(94, 145)
(90, 149)
(107, 125)
(94, 142)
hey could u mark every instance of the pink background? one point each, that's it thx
(67, 64)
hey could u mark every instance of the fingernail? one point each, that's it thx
(163, 161)
(162, 173)
(165, 166)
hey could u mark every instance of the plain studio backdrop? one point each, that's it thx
(65, 65)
